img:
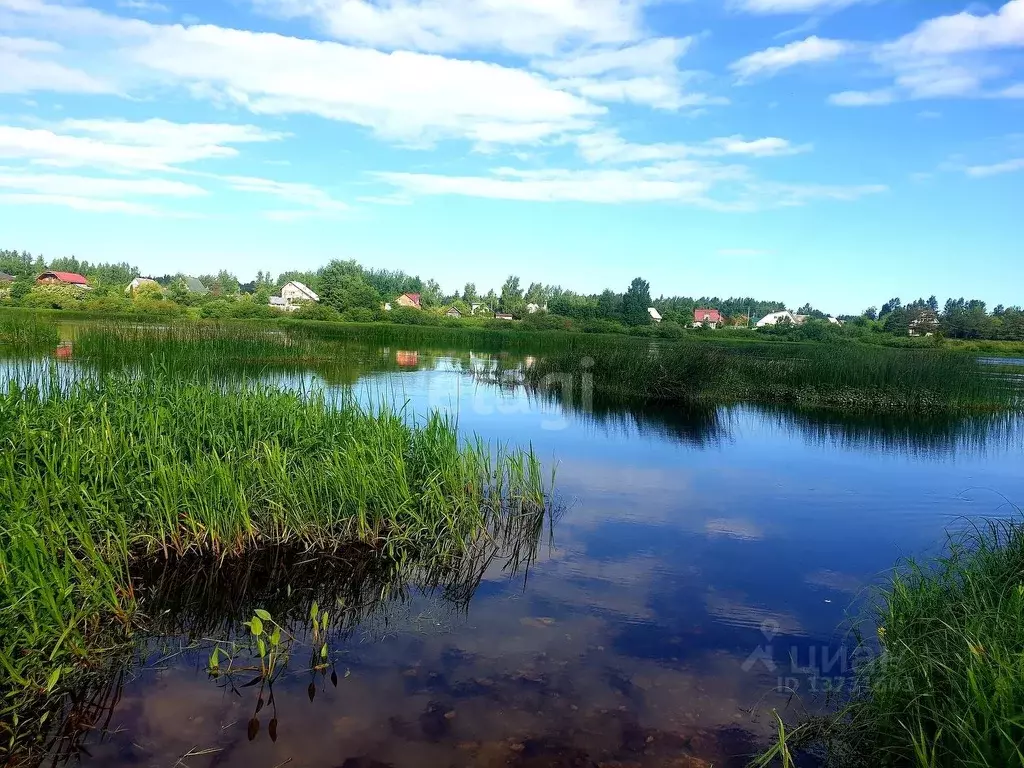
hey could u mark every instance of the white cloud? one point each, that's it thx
(24, 71)
(124, 146)
(965, 32)
(705, 185)
(863, 98)
(82, 203)
(1015, 91)
(649, 57)
(773, 60)
(527, 27)
(95, 187)
(792, 6)
(313, 199)
(609, 147)
(657, 92)
(143, 5)
(1009, 166)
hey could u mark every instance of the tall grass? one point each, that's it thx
(842, 376)
(105, 472)
(947, 688)
(26, 333)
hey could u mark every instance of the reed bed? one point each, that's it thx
(26, 333)
(102, 473)
(841, 376)
(944, 687)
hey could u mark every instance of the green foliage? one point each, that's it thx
(636, 302)
(343, 287)
(512, 301)
(55, 296)
(944, 684)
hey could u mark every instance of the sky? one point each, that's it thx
(838, 152)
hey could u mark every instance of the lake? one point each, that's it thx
(697, 572)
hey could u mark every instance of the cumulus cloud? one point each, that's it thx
(965, 32)
(610, 147)
(773, 60)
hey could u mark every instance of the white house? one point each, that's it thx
(655, 314)
(292, 296)
(533, 308)
(138, 282)
(781, 317)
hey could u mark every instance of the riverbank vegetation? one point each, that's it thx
(944, 686)
(845, 377)
(104, 474)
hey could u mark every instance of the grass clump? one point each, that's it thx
(845, 376)
(25, 333)
(107, 472)
(946, 685)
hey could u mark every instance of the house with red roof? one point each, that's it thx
(62, 278)
(409, 300)
(707, 318)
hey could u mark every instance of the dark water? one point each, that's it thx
(697, 573)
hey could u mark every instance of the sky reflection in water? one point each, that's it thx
(699, 558)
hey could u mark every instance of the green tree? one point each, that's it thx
(512, 296)
(344, 288)
(469, 293)
(609, 305)
(635, 303)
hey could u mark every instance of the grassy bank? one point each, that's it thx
(102, 475)
(26, 333)
(946, 689)
(840, 376)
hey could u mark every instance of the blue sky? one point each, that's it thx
(833, 151)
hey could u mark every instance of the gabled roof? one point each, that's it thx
(655, 314)
(66, 277)
(413, 297)
(707, 316)
(195, 285)
(6, 277)
(304, 289)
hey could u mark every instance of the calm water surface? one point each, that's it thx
(698, 571)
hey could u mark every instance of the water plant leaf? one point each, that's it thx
(275, 638)
(254, 728)
(323, 651)
(254, 681)
(259, 704)
(262, 647)
(314, 611)
(272, 729)
(256, 625)
(334, 678)
(262, 614)
(311, 691)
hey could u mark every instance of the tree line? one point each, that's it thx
(350, 291)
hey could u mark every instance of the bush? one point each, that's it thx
(55, 296)
(359, 315)
(316, 312)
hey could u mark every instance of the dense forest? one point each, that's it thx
(350, 291)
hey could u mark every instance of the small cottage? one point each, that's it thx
(62, 278)
(409, 300)
(503, 316)
(707, 318)
(655, 314)
(138, 282)
(453, 312)
(296, 291)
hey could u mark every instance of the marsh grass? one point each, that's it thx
(104, 472)
(22, 334)
(947, 687)
(842, 376)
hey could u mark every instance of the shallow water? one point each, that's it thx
(698, 573)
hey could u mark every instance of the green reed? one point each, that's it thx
(26, 333)
(108, 471)
(945, 684)
(838, 376)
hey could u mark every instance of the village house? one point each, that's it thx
(707, 318)
(409, 300)
(453, 312)
(476, 307)
(194, 285)
(6, 278)
(138, 282)
(925, 324)
(297, 292)
(62, 278)
(655, 314)
(534, 308)
(783, 317)
(503, 316)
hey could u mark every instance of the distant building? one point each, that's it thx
(477, 307)
(655, 314)
(409, 300)
(925, 324)
(707, 318)
(6, 278)
(534, 308)
(503, 316)
(785, 316)
(195, 285)
(452, 312)
(296, 291)
(62, 278)
(138, 282)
